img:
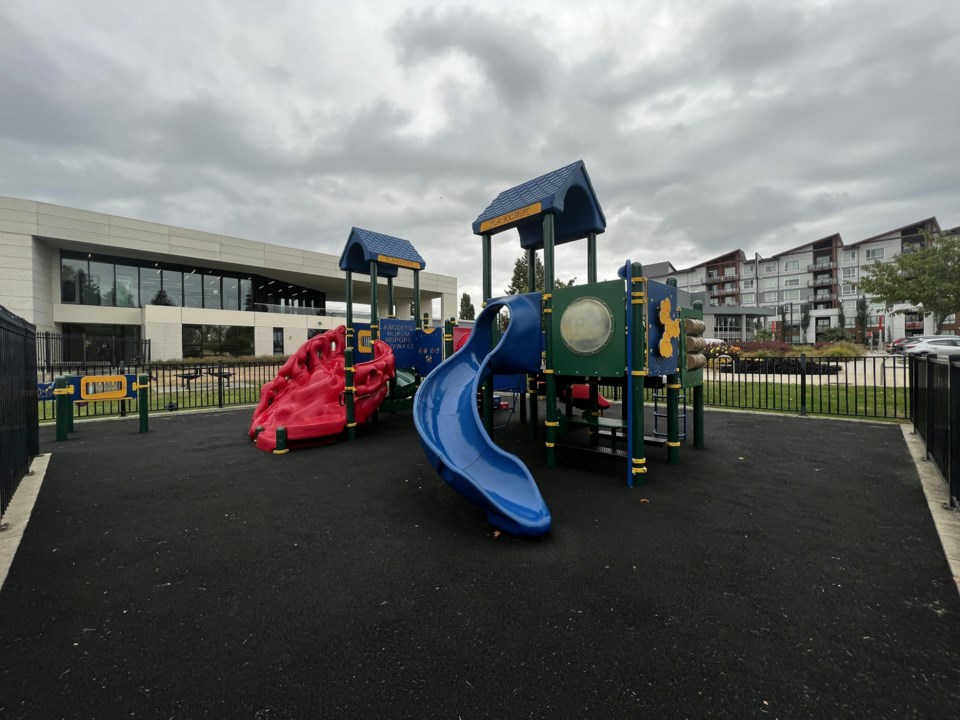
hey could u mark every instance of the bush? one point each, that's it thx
(834, 334)
(838, 350)
(765, 348)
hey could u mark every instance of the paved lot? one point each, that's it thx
(789, 570)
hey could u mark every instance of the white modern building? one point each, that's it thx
(110, 280)
(822, 275)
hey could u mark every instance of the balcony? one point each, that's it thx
(821, 266)
(913, 325)
(821, 297)
(822, 281)
(713, 279)
(720, 292)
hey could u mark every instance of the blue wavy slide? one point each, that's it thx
(452, 433)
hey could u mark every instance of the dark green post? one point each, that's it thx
(62, 406)
(416, 295)
(673, 418)
(71, 406)
(698, 416)
(638, 306)
(552, 422)
(391, 307)
(348, 368)
(486, 395)
(533, 390)
(448, 326)
(281, 445)
(593, 382)
(143, 401)
(374, 317)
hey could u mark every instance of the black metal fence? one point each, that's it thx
(866, 387)
(179, 387)
(60, 354)
(936, 415)
(19, 436)
(869, 387)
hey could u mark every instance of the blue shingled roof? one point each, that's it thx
(567, 193)
(364, 246)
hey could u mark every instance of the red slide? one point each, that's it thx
(306, 397)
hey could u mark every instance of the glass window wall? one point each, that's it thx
(211, 292)
(192, 290)
(127, 286)
(172, 289)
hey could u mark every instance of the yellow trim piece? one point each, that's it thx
(412, 264)
(639, 461)
(638, 302)
(638, 293)
(674, 386)
(639, 470)
(349, 368)
(550, 444)
(638, 279)
(673, 444)
(138, 386)
(547, 296)
(350, 388)
(63, 391)
(374, 326)
(549, 371)
(448, 337)
(640, 373)
(353, 424)
(483, 304)
(547, 310)
(511, 216)
(551, 424)
(281, 452)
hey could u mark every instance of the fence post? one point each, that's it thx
(928, 415)
(220, 383)
(803, 383)
(143, 401)
(953, 430)
(61, 396)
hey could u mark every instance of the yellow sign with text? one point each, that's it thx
(412, 264)
(511, 217)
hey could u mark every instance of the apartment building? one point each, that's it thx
(822, 275)
(115, 282)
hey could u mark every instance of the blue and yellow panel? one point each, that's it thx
(663, 329)
(88, 388)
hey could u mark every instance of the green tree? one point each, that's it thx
(928, 279)
(842, 319)
(862, 319)
(467, 311)
(518, 283)
(783, 323)
(804, 320)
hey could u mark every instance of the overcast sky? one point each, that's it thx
(705, 126)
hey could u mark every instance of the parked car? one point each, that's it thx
(941, 345)
(897, 346)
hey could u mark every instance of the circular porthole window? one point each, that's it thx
(586, 326)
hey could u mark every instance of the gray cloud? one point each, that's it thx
(738, 124)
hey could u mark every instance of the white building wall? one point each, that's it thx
(16, 274)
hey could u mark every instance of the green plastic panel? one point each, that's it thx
(592, 339)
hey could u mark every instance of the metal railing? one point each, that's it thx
(865, 387)
(58, 353)
(19, 436)
(936, 415)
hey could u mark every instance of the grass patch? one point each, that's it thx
(821, 399)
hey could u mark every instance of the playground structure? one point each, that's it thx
(629, 331)
(342, 378)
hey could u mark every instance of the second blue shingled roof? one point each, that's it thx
(567, 193)
(364, 246)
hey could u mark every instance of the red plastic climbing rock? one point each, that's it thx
(307, 396)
